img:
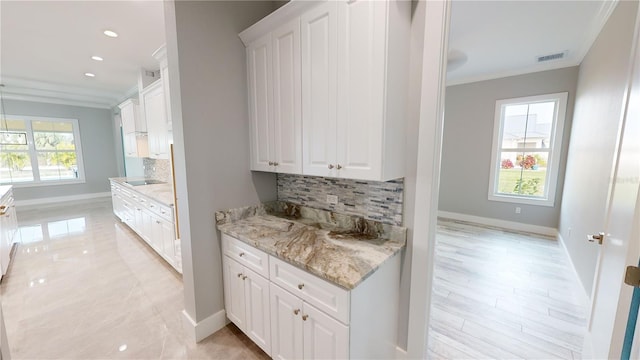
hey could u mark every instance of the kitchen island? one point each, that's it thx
(310, 283)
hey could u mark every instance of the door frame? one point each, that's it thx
(422, 238)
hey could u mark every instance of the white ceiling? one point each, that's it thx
(504, 38)
(46, 47)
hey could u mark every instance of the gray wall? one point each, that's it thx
(601, 85)
(468, 136)
(209, 100)
(98, 148)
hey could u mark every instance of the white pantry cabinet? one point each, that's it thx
(133, 129)
(273, 65)
(155, 114)
(308, 317)
(354, 59)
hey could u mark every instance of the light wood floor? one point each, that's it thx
(503, 295)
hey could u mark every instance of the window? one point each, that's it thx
(527, 139)
(36, 151)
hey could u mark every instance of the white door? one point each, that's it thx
(324, 337)
(168, 241)
(361, 76)
(258, 311)
(156, 238)
(319, 82)
(286, 324)
(234, 301)
(260, 103)
(611, 297)
(287, 100)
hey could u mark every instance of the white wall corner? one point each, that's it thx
(199, 331)
(58, 200)
(504, 224)
(585, 298)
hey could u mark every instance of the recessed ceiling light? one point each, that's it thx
(88, 74)
(110, 33)
(97, 58)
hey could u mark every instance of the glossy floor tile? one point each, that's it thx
(503, 295)
(84, 286)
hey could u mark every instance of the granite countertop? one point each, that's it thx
(340, 248)
(163, 193)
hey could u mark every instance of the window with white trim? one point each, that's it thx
(527, 140)
(40, 150)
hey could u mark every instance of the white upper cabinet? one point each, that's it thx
(155, 114)
(351, 92)
(319, 86)
(133, 139)
(273, 63)
(361, 133)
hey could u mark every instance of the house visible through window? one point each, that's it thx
(527, 140)
(39, 151)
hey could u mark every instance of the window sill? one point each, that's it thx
(522, 200)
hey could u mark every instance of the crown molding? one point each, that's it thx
(40, 91)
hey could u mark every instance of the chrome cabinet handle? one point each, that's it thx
(339, 167)
(300, 286)
(241, 254)
(296, 311)
(330, 166)
(305, 317)
(270, 163)
(275, 164)
(244, 277)
(240, 275)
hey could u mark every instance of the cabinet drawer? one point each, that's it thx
(246, 254)
(327, 297)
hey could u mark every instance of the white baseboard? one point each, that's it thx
(199, 331)
(401, 353)
(585, 298)
(509, 225)
(58, 200)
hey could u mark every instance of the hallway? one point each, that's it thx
(503, 295)
(83, 286)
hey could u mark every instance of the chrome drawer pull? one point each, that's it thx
(300, 286)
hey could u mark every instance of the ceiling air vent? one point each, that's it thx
(551, 57)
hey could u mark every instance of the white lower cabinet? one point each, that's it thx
(292, 314)
(247, 302)
(300, 331)
(150, 220)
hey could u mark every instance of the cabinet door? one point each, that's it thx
(258, 311)
(168, 241)
(287, 98)
(234, 301)
(319, 76)
(155, 115)
(164, 75)
(286, 324)
(128, 117)
(130, 144)
(260, 102)
(360, 95)
(324, 337)
(156, 239)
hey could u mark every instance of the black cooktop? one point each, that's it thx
(144, 182)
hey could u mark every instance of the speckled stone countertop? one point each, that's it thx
(163, 193)
(340, 248)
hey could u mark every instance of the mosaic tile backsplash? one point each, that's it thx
(374, 200)
(158, 169)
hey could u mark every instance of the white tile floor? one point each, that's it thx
(83, 286)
